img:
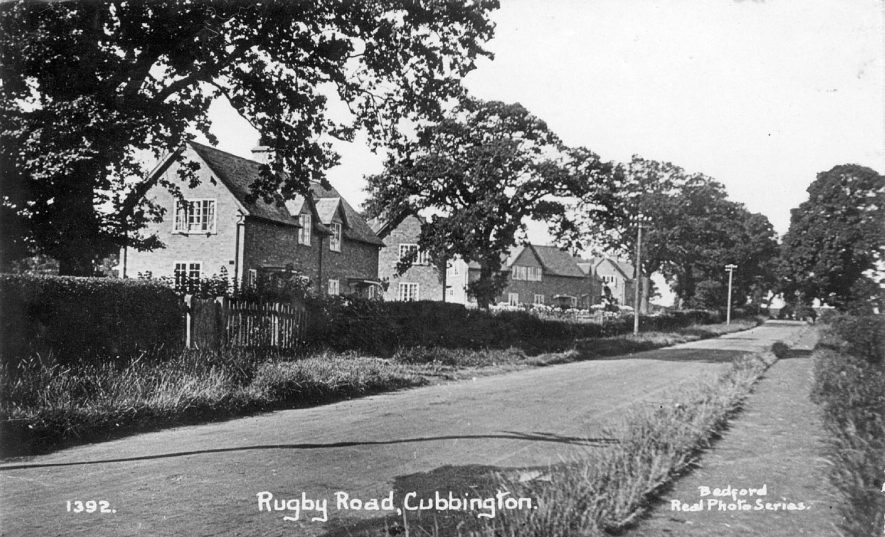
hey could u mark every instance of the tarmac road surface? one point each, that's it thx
(205, 479)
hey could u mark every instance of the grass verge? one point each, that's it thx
(849, 385)
(609, 491)
(45, 405)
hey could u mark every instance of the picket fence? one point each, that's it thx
(214, 323)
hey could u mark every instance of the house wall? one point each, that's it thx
(355, 260)
(621, 288)
(549, 286)
(426, 276)
(268, 244)
(213, 251)
(272, 245)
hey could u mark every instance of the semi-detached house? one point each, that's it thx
(214, 228)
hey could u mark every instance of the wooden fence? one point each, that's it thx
(213, 323)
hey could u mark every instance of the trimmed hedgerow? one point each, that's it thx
(73, 318)
(383, 327)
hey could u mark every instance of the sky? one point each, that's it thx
(760, 95)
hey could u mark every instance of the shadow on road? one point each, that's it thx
(505, 435)
(469, 481)
(706, 356)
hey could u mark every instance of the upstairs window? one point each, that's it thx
(406, 250)
(194, 216)
(335, 239)
(532, 274)
(304, 232)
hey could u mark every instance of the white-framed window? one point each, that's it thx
(194, 216)
(453, 268)
(408, 292)
(304, 232)
(187, 271)
(335, 239)
(538, 299)
(450, 292)
(253, 277)
(334, 287)
(532, 274)
(407, 249)
(513, 299)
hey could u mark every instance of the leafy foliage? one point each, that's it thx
(73, 318)
(88, 87)
(835, 238)
(692, 231)
(483, 170)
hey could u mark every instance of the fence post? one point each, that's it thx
(219, 338)
(188, 321)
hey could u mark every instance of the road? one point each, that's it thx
(204, 480)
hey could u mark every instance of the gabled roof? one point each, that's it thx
(355, 227)
(383, 226)
(554, 261)
(557, 262)
(624, 267)
(238, 174)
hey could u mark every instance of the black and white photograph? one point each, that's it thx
(442, 268)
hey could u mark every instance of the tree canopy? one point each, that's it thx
(836, 238)
(482, 172)
(692, 231)
(87, 86)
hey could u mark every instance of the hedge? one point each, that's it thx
(70, 318)
(382, 327)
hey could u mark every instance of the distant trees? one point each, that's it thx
(836, 239)
(693, 230)
(86, 86)
(483, 171)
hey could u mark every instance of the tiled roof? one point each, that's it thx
(557, 262)
(238, 174)
(356, 227)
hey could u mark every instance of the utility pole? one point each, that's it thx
(730, 268)
(637, 280)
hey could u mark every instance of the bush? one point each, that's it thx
(74, 318)
(347, 323)
(862, 336)
(851, 392)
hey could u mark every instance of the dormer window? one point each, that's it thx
(335, 239)
(194, 216)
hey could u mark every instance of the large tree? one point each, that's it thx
(88, 86)
(691, 231)
(483, 172)
(836, 238)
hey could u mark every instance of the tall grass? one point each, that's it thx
(44, 403)
(849, 386)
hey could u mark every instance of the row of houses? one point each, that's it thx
(216, 228)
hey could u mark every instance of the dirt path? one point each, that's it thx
(775, 442)
(204, 480)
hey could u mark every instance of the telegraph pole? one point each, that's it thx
(637, 281)
(730, 268)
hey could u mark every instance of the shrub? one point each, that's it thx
(74, 318)
(780, 349)
(862, 336)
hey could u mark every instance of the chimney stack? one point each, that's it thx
(263, 153)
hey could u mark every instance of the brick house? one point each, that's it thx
(217, 230)
(614, 274)
(422, 280)
(543, 275)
